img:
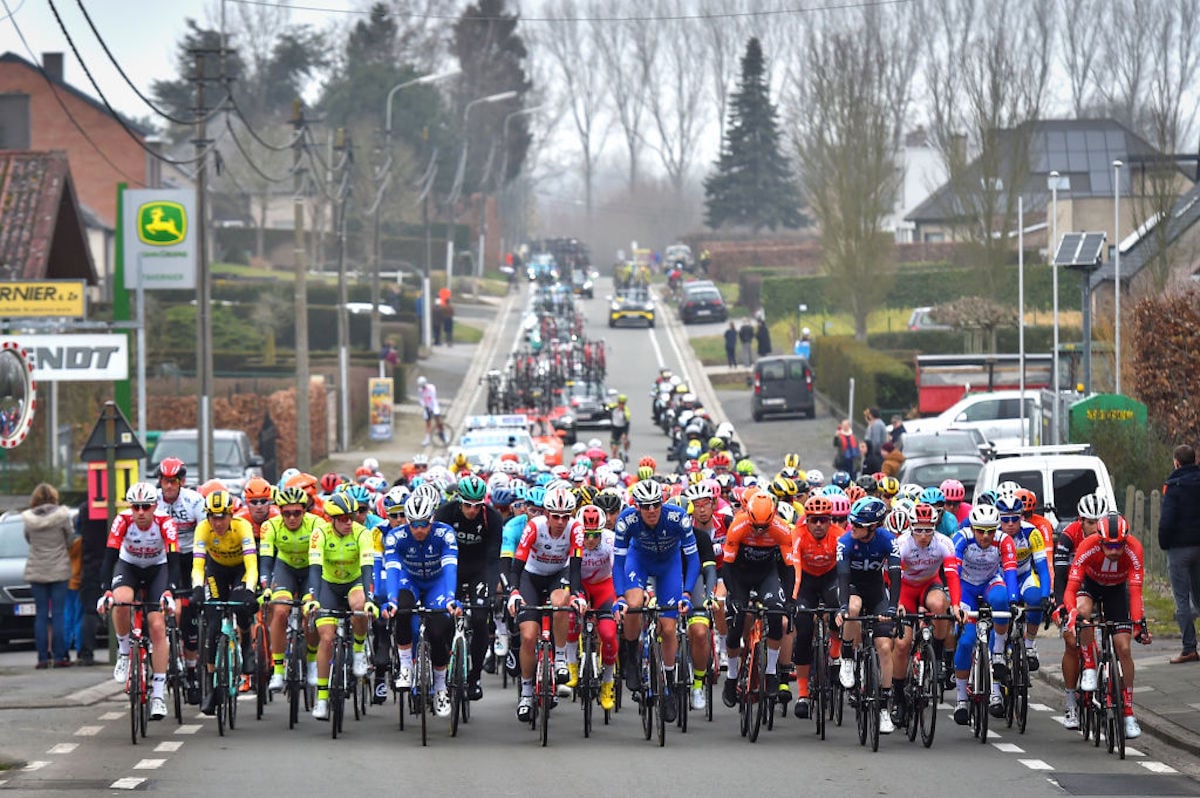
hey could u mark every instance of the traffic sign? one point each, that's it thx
(112, 432)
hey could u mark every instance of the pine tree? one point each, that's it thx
(752, 185)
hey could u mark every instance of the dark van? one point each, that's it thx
(782, 384)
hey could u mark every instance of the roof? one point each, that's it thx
(1081, 150)
(1184, 214)
(42, 233)
(12, 58)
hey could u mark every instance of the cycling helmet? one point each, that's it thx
(719, 460)
(794, 474)
(219, 502)
(987, 497)
(984, 516)
(839, 506)
(375, 484)
(868, 510)
(815, 478)
(502, 497)
(749, 480)
(396, 497)
(302, 480)
(854, 493)
(622, 398)
(840, 479)
(1114, 528)
(560, 500)
(429, 491)
(584, 495)
(330, 482)
(580, 472)
(592, 517)
(560, 472)
(716, 444)
(616, 465)
(1028, 500)
(362, 472)
(644, 473)
(419, 507)
(867, 483)
(142, 493)
(725, 431)
(647, 492)
(760, 508)
(932, 496)
(832, 490)
(421, 460)
(536, 496)
(211, 485)
(782, 488)
(596, 454)
(697, 492)
(791, 460)
(509, 467)
(787, 513)
(878, 476)
(359, 495)
(287, 475)
(818, 505)
(256, 488)
(609, 501)
(471, 488)
(725, 481)
(1009, 503)
(578, 448)
(924, 516)
(889, 486)
(907, 505)
(288, 496)
(897, 522)
(953, 490)
(745, 467)
(1092, 507)
(172, 467)
(1008, 486)
(340, 504)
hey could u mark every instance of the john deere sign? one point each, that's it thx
(159, 245)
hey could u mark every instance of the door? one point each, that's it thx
(798, 387)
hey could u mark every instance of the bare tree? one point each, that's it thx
(845, 113)
(628, 78)
(581, 80)
(1121, 78)
(1083, 22)
(719, 40)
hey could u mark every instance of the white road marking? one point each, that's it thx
(149, 764)
(1035, 764)
(189, 728)
(658, 355)
(112, 716)
(37, 765)
(63, 748)
(1131, 751)
(1158, 767)
(1041, 708)
(992, 734)
(1144, 688)
(88, 731)
(1008, 748)
(168, 746)
(127, 783)
(679, 356)
(1060, 719)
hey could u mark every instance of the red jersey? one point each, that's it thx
(1090, 562)
(244, 513)
(143, 547)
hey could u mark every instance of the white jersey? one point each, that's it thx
(544, 554)
(428, 398)
(187, 511)
(919, 564)
(597, 562)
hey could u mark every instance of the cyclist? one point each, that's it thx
(988, 574)
(225, 568)
(757, 539)
(283, 570)
(186, 508)
(1033, 573)
(863, 554)
(479, 531)
(814, 557)
(619, 416)
(709, 529)
(1090, 509)
(340, 569)
(1107, 574)
(956, 500)
(141, 555)
(928, 572)
(596, 578)
(651, 538)
(431, 409)
(258, 507)
(546, 568)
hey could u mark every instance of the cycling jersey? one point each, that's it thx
(979, 566)
(479, 541)
(340, 559)
(640, 553)
(812, 556)
(143, 547)
(187, 511)
(511, 535)
(1091, 564)
(282, 544)
(921, 566)
(429, 566)
(1031, 551)
(597, 565)
(244, 513)
(860, 566)
(1066, 543)
(748, 544)
(544, 554)
(235, 547)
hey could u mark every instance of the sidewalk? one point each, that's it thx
(27, 688)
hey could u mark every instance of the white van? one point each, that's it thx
(1059, 475)
(997, 415)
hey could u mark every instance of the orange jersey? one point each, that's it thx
(815, 557)
(244, 512)
(742, 533)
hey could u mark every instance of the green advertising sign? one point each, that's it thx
(1104, 410)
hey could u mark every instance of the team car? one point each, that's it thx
(632, 306)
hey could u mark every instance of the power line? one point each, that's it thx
(250, 161)
(54, 90)
(634, 18)
(250, 128)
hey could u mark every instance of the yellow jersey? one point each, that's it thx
(234, 547)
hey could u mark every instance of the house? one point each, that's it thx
(920, 169)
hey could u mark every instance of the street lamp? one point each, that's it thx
(1054, 183)
(1117, 275)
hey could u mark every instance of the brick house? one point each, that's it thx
(41, 226)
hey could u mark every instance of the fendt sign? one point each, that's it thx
(77, 358)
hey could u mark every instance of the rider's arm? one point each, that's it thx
(171, 542)
(1134, 551)
(249, 552)
(843, 575)
(620, 550)
(1008, 566)
(708, 561)
(495, 535)
(1064, 552)
(950, 571)
(200, 540)
(266, 554)
(893, 569)
(315, 560)
(1039, 561)
(517, 567)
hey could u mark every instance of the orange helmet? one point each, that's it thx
(211, 486)
(818, 505)
(1028, 499)
(257, 488)
(854, 493)
(761, 508)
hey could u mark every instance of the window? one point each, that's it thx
(772, 371)
(797, 369)
(1030, 480)
(987, 410)
(1071, 485)
(14, 121)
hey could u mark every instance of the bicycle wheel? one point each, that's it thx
(1117, 707)
(424, 686)
(912, 689)
(133, 686)
(683, 681)
(456, 681)
(929, 693)
(262, 669)
(874, 702)
(818, 675)
(745, 707)
(234, 661)
(175, 672)
(646, 703)
(981, 680)
(587, 681)
(758, 688)
(1021, 682)
(859, 693)
(658, 691)
(546, 691)
(147, 680)
(220, 677)
(1016, 655)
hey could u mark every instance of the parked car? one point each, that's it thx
(234, 459)
(922, 319)
(1059, 475)
(702, 302)
(782, 384)
(931, 469)
(967, 442)
(17, 609)
(997, 415)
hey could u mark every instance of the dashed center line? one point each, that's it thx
(112, 716)
(37, 765)
(1158, 767)
(1041, 708)
(1131, 751)
(149, 764)
(168, 746)
(1008, 748)
(63, 748)
(1035, 764)
(88, 731)
(189, 728)
(127, 783)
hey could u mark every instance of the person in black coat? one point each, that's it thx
(95, 541)
(1179, 537)
(764, 338)
(731, 342)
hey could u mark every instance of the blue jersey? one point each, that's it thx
(510, 536)
(862, 562)
(430, 562)
(671, 538)
(948, 524)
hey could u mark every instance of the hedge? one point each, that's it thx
(918, 286)
(405, 244)
(950, 342)
(879, 380)
(750, 281)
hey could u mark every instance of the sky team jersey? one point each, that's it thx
(545, 554)
(235, 547)
(143, 547)
(865, 557)
(671, 535)
(434, 559)
(811, 556)
(287, 546)
(1091, 563)
(187, 511)
(597, 562)
(341, 558)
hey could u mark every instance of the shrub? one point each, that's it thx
(879, 380)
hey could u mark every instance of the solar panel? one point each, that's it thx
(1080, 250)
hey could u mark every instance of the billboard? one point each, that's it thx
(76, 358)
(159, 238)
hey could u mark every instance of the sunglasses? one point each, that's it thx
(175, 480)
(418, 524)
(590, 535)
(818, 519)
(291, 513)
(218, 515)
(984, 530)
(1009, 519)
(472, 504)
(142, 507)
(559, 516)
(863, 526)
(1114, 546)
(398, 512)
(258, 502)
(922, 530)
(337, 518)
(651, 506)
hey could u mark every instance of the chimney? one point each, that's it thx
(52, 63)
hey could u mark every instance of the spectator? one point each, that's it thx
(803, 345)
(896, 431)
(94, 533)
(731, 339)
(448, 322)
(746, 336)
(1179, 537)
(72, 618)
(845, 449)
(48, 530)
(388, 358)
(764, 338)
(876, 435)
(893, 458)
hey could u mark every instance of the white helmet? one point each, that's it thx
(430, 491)
(1008, 486)
(984, 515)
(421, 381)
(579, 447)
(594, 443)
(647, 491)
(419, 507)
(371, 463)
(1093, 507)
(725, 431)
(420, 460)
(142, 493)
(510, 467)
(616, 465)
(560, 500)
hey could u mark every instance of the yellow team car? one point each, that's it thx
(634, 305)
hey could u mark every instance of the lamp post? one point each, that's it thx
(1055, 182)
(426, 323)
(1117, 275)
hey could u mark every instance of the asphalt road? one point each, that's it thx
(77, 749)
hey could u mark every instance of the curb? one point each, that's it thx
(479, 364)
(88, 696)
(1157, 726)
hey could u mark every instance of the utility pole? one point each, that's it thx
(204, 361)
(300, 309)
(343, 145)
